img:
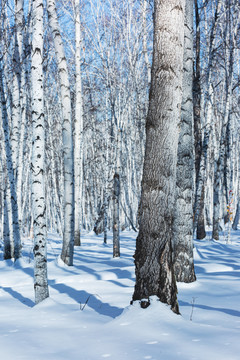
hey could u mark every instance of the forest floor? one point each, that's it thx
(88, 316)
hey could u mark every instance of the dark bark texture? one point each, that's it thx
(201, 232)
(116, 194)
(183, 219)
(153, 257)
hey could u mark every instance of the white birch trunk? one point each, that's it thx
(26, 203)
(8, 248)
(8, 151)
(78, 135)
(20, 35)
(38, 158)
(55, 194)
(7, 231)
(226, 131)
(145, 49)
(16, 110)
(116, 197)
(236, 218)
(218, 172)
(106, 174)
(208, 101)
(68, 201)
(16, 90)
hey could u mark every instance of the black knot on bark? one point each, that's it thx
(144, 303)
(36, 248)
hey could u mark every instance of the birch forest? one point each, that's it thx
(75, 111)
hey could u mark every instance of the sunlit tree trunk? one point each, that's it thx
(10, 170)
(236, 218)
(183, 219)
(6, 209)
(24, 55)
(116, 197)
(78, 133)
(8, 248)
(153, 256)
(16, 84)
(201, 162)
(68, 206)
(145, 45)
(38, 158)
(226, 130)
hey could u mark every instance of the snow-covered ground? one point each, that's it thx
(88, 316)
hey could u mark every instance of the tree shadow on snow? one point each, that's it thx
(82, 269)
(102, 257)
(86, 299)
(18, 296)
(206, 307)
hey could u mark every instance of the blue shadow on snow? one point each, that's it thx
(91, 300)
(18, 296)
(206, 307)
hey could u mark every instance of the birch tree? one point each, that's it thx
(16, 87)
(38, 157)
(78, 135)
(23, 33)
(226, 133)
(116, 199)
(8, 248)
(5, 204)
(10, 170)
(206, 116)
(68, 231)
(153, 256)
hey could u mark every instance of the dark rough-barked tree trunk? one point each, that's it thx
(153, 256)
(236, 218)
(183, 219)
(201, 232)
(198, 219)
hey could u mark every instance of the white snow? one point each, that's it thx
(88, 316)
